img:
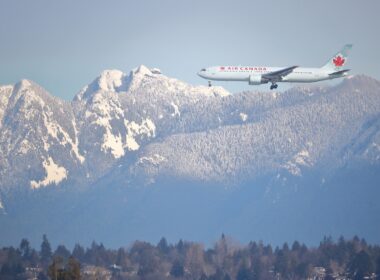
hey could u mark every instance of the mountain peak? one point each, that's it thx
(109, 80)
(117, 81)
(142, 70)
(137, 76)
(23, 84)
(29, 91)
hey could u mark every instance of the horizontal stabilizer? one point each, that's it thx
(339, 72)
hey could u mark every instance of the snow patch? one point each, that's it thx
(104, 110)
(74, 145)
(302, 158)
(156, 159)
(373, 151)
(25, 146)
(111, 80)
(54, 174)
(176, 110)
(113, 143)
(243, 117)
(131, 143)
(105, 106)
(146, 128)
(25, 83)
(58, 133)
(116, 143)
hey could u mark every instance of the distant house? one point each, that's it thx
(95, 272)
(318, 273)
(32, 272)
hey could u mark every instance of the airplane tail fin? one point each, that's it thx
(337, 62)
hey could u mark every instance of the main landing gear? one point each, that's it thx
(274, 86)
(209, 84)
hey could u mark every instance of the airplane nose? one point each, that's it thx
(202, 74)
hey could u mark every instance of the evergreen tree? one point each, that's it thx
(245, 274)
(177, 269)
(361, 265)
(78, 252)
(296, 246)
(62, 252)
(163, 246)
(285, 248)
(180, 246)
(34, 258)
(122, 258)
(25, 248)
(45, 252)
(281, 263)
(13, 265)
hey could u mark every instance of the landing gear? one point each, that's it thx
(209, 84)
(274, 86)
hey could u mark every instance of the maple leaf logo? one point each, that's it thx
(338, 61)
(222, 68)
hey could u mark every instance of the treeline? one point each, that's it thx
(341, 259)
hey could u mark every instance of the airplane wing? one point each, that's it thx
(279, 74)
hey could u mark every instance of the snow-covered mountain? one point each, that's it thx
(321, 131)
(47, 141)
(143, 130)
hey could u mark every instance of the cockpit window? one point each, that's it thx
(203, 70)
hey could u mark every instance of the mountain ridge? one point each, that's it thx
(103, 104)
(130, 140)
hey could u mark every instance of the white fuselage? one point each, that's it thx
(243, 73)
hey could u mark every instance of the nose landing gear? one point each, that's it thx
(209, 84)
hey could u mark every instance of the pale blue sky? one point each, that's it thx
(63, 45)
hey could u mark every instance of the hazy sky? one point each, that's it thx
(63, 45)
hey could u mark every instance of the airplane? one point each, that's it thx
(255, 75)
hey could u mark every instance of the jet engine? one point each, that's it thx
(256, 80)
